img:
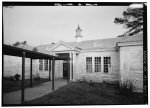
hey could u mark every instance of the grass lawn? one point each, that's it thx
(10, 85)
(88, 93)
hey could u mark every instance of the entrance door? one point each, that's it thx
(65, 70)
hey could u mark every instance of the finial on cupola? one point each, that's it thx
(78, 34)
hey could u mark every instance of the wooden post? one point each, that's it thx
(68, 70)
(49, 70)
(72, 65)
(53, 71)
(23, 77)
(31, 72)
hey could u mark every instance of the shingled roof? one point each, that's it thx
(96, 44)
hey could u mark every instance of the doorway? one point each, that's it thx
(65, 70)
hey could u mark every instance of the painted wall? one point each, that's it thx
(80, 67)
(131, 65)
(13, 65)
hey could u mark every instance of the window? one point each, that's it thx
(89, 64)
(107, 64)
(46, 65)
(97, 64)
(41, 64)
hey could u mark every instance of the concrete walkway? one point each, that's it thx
(32, 93)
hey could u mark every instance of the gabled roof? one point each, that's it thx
(105, 43)
(43, 48)
(96, 44)
(63, 43)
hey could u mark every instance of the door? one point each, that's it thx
(65, 70)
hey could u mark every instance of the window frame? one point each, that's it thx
(97, 64)
(107, 64)
(89, 65)
(46, 65)
(41, 66)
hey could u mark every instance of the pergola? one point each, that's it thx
(19, 52)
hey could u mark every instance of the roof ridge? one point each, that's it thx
(94, 40)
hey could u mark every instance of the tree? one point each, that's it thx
(16, 43)
(24, 42)
(132, 20)
(35, 49)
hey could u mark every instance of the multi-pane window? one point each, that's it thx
(41, 64)
(46, 65)
(107, 64)
(97, 64)
(89, 64)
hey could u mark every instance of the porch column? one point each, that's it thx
(72, 65)
(53, 71)
(68, 70)
(31, 72)
(102, 64)
(23, 77)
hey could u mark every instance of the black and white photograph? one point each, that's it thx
(74, 53)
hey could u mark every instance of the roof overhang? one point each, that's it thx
(15, 51)
(99, 50)
(129, 43)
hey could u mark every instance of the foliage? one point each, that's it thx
(35, 49)
(132, 20)
(126, 87)
(37, 77)
(20, 43)
(17, 76)
(16, 43)
(24, 42)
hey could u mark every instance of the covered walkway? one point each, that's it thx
(32, 93)
(19, 52)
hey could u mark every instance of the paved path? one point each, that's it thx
(32, 93)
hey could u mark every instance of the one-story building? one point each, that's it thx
(114, 59)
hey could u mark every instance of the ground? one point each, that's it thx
(89, 93)
(12, 85)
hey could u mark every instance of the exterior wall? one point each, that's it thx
(58, 70)
(80, 67)
(131, 65)
(13, 65)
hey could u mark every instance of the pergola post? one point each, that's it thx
(23, 77)
(72, 66)
(53, 71)
(31, 72)
(68, 70)
(49, 70)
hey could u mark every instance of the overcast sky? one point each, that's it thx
(46, 24)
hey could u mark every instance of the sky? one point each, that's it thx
(39, 25)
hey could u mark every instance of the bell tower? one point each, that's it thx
(78, 34)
